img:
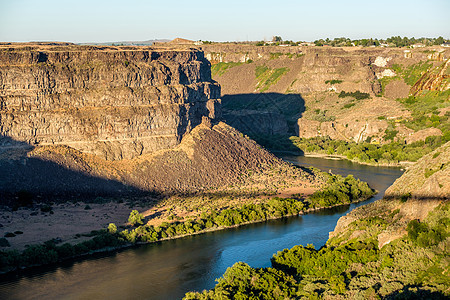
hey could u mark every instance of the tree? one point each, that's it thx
(439, 40)
(276, 39)
(112, 228)
(319, 42)
(135, 218)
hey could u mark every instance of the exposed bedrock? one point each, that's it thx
(113, 102)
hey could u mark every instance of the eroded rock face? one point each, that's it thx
(356, 131)
(429, 178)
(113, 102)
(435, 79)
(318, 75)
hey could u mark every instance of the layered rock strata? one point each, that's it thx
(113, 102)
(81, 121)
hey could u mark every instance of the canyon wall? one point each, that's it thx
(116, 103)
(317, 75)
(82, 121)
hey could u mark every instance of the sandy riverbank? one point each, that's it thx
(66, 221)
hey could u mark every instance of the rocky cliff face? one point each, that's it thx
(436, 79)
(319, 74)
(113, 102)
(80, 121)
(428, 178)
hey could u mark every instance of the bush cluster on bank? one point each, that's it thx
(366, 152)
(273, 208)
(341, 191)
(288, 266)
(328, 261)
(50, 252)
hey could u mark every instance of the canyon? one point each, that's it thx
(161, 130)
(110, 112)
(80, 121)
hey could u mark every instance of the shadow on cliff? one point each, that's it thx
(268, 118)
(52, 175)
(26, 179)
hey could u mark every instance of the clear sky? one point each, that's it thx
(228, 20)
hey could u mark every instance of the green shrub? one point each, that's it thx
(326, 262)
(38, 254)
(275, 55)
(341, 191)
(112, 228)
(243, 282)
(220, 68)
(423, 235)
(348, 105)
(390, 134)
(135, 218)
(429, 172)
(333, 81)
(405, 197)
(65, 251)
(357, 95)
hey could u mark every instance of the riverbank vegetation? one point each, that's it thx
(338, 191)
(391, 153)
(354, 268)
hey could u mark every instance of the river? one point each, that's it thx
(167, 270)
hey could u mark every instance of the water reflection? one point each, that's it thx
(168, 270)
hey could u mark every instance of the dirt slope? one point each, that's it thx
(207, 158)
